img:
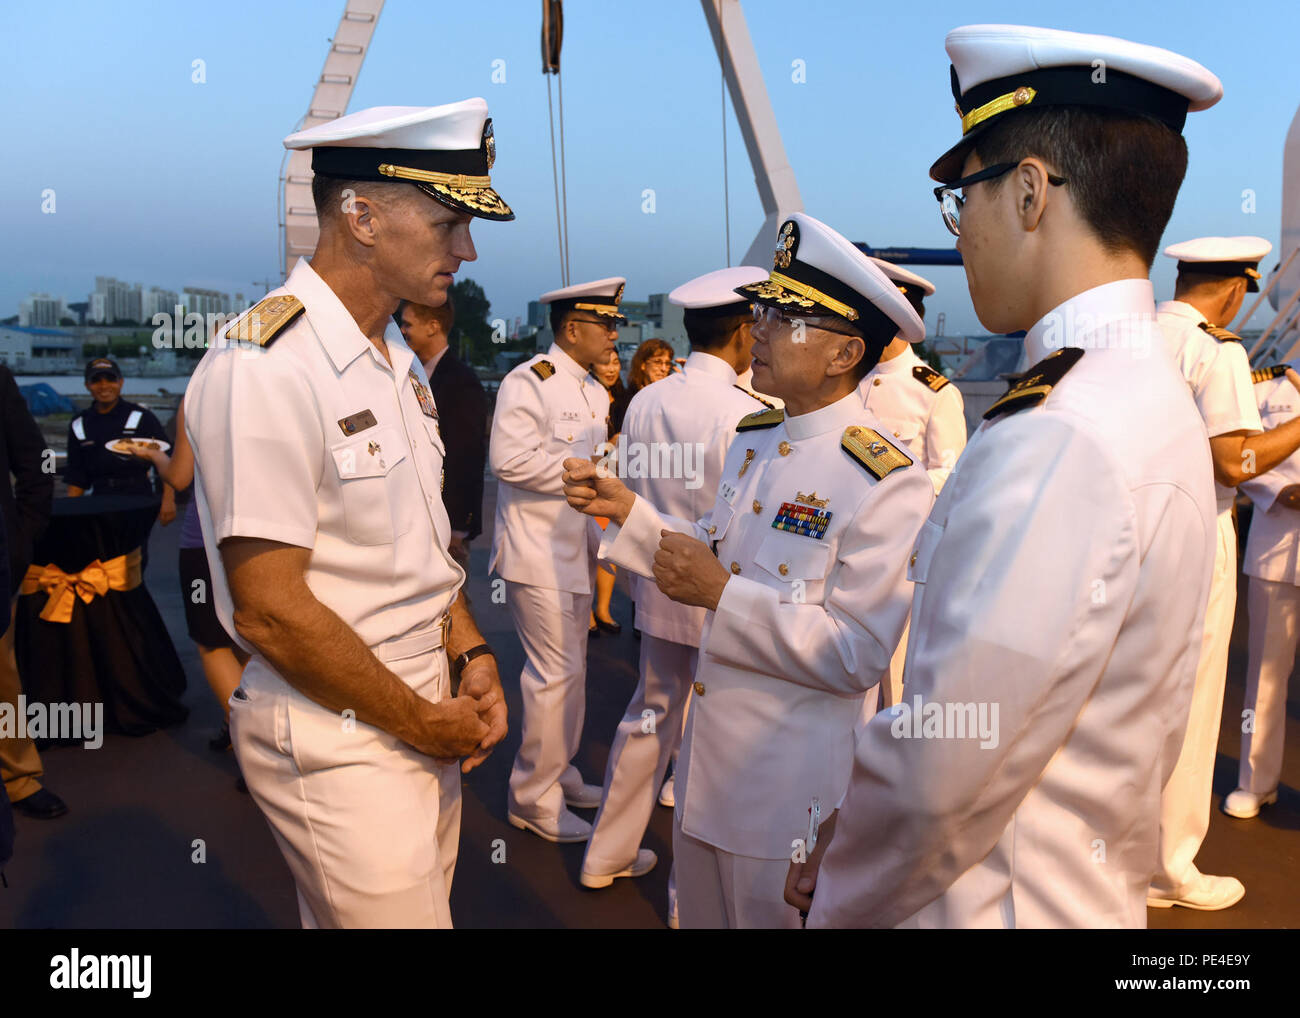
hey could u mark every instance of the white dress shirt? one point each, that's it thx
(1273, 545)
(274, 461)
(1062, 579)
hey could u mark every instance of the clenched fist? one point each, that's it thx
(687, 571)
(591, 489)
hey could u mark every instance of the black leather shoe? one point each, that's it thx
(41, 805)
(220, 742)
(608, 627)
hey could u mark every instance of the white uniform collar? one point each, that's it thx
(700, 362)
(904, 362)
(836, 417)
(1076, 321)
(566, 363)
(1180, 308)
(334, 325)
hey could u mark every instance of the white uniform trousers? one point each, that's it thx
(552, 626)
(1274, 629)
(1185, 800)
(646, 739)
(720, 890)
(369, 827)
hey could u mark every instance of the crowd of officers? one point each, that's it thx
(913, 681)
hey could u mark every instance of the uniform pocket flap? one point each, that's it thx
(792, 557)
(373, 454)
(568, 431)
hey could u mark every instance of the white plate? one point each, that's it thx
(162, 446)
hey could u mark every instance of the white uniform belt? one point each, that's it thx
(414, 644)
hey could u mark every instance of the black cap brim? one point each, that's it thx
(480, 202)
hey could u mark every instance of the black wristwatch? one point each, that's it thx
(470, 655)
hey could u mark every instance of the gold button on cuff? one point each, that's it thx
(784, 448)
(875, 381)
(699, 688)
(783, 569)
(912, 560)
(758, 506)
(713, 529)
(735, 568)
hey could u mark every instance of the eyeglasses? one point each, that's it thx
(609, 325)
(950, 202)
(773, 314)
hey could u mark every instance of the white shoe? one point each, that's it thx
(1243, 805)
(666, 797)
(583, 797)
(1205, 894)
(563, 830)
(643, 864)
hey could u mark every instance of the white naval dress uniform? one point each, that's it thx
(1061, 577)
(692, 413)
(368, 826)
(925, 411)
(548, 409)
(1219, 376)
(1272, 561)
(803, 630)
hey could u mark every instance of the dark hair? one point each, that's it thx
(558, 314)
(711, 332)
(445, 315)
(872, 349)
(327, 192)
(636, 376)
(1124, 170)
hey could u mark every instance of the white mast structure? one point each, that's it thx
(777, 189)
(347, 52)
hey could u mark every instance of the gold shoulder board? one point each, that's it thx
(761, 419)
(265, 320)
(1033, 386)
(1222, 335)
(1268, 374)
(543, 369)
(868, 447)
(927, 376)
(750, 392)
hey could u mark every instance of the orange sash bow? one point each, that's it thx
(95, 580)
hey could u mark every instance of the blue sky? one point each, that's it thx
(162, 181)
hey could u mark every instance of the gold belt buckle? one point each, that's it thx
(445, 625)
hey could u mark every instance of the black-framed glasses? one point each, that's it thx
(608, 324)
(950, 202)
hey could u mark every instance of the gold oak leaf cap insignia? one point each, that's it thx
(543, 369)
(1268, 374)
(880, 456)
(1222, 335)
(1034, 385)
(927, 376)
(265, 320)
(761, 419)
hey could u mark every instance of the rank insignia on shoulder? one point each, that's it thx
(1033, 386)
(761, 419)
(928, 377)
(879, 456)
(806, 521)
(265, 320)
(749, 392)
(1268, 374)
(543, 369)
(1222, 335)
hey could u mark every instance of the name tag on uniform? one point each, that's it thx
(423, 395)
(570, 415)
(728, 491)
(358, 422)
(803, 520)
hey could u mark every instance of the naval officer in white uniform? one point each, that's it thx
(1061, 580)
(811, 526)
(924, 410)
(1272, 561)
(317, 468)
(1214, 276)
(676, 434)
(550, 408)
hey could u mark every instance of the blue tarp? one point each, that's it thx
(42, 399)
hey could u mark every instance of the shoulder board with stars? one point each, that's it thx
(748, 392)
(1034, 385)
(928, 377)
(1268, 374)
(1222, 335)
(265, 320)
(761, 419)
(543, 369)
(880, 456)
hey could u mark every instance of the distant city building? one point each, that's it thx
(114, 300)
(156, 301)
(211, 302)
(32, 350)
(538, 314)
(40, 310)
